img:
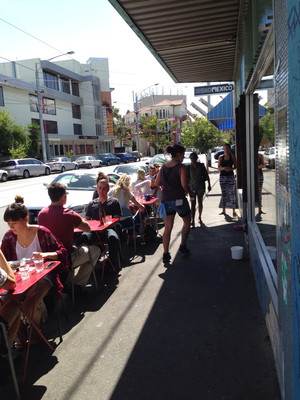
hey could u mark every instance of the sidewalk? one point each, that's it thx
(193, 331)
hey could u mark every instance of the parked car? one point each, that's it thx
(160, 159)
(218, 153)
(24, 167)
(126, 157)
(108, 159)
(80, 186)
(88, 162)
(130, 170)
(3, 175)
(269, 157)
(201, 158)
(61, 164)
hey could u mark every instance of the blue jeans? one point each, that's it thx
(182, 210)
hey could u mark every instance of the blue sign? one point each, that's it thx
(214, 89)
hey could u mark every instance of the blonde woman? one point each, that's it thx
(121, 191)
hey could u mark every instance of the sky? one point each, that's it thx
(93, 28)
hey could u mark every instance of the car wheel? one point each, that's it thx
(108, 162)
(62, 169)
(26, 174)
(76, 166)
(47, 171)
(89, 166)
(100, 164)
(126, 161)
(4, 178)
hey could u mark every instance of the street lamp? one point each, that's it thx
(137, 117)
(39, 97)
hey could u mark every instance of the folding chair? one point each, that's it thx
(134, 220)
(10, 359)
(104, 256)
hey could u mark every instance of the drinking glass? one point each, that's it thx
(24, 271)
(39, 264)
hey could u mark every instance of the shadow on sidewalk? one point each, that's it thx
(205, 337)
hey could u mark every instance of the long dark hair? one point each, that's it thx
(16, 211)
(173, 150)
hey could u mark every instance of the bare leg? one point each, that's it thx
(185, 228)
(169, 222)
(193, 211)
(223, 211)
(32, 300)
(200, 207)
(10, 312)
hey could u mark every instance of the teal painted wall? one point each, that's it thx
(293, 28)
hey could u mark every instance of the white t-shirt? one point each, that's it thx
(26, 252)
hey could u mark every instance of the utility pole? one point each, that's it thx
(43, 141)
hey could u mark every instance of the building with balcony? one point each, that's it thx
(76, 102)
(172, 110)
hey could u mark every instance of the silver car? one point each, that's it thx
(61, 164)
(88, 162)
(24, 167)
(80, 185)
(3, 175)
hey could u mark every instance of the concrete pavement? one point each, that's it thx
(192, 331)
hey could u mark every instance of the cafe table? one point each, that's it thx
(99, 229)
(22, 287)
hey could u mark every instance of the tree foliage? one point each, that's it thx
(155, 132)
(121, 130)
(267, 129)
(200, 134)
(33, 140)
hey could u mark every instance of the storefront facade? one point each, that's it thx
(266, 43)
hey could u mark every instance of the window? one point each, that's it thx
(76, 111)
(64, 85)
(1, 97)
(48, 105)
(77, 129)
(50, 127)
(50, 80)
(75, 88)
(33, 103)
(98, 129)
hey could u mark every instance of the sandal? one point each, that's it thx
(193, 224)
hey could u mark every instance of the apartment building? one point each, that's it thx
(173, 109)
(75, 101)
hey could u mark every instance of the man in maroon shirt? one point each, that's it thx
(62, 221)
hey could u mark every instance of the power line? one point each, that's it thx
(29, 34)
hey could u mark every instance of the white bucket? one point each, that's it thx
(237, 252)
(272, 252)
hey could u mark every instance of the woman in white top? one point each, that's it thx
(121, 191)
(22, 241)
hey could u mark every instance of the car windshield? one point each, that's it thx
(78, 182)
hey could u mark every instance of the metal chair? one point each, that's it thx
(134, 221)
(10, 359)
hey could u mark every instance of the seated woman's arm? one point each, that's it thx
(11, 280)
